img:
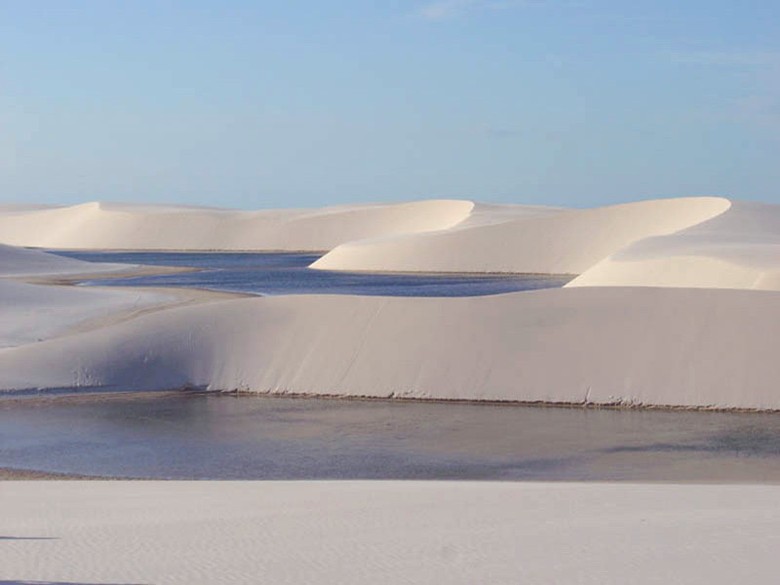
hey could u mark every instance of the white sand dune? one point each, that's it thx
(114, 226)
(22, 262)
(705, 242)
(290, 533)
(737, 249)
(33, 312)
(530, 240)
(631, 346)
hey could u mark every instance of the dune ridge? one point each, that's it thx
(738, 249)
(615, 346)
(526, 240)
(145, 227)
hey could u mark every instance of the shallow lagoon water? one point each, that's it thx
(288, 273)
(201, 436)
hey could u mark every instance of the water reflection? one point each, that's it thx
(198, 436)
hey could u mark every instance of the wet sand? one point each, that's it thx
(8, 474)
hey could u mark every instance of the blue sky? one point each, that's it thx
(302, 103)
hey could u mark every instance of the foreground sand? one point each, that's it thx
(387, 532)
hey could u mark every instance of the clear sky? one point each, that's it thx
(307, 103)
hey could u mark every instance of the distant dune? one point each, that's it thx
(501, 239)
(136, 227)
(739, 248)
(706, 242)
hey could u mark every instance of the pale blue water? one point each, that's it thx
(198, 436)
(281, 273)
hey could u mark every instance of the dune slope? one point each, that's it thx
(674, 347)
(16, 261)
(33, 312)
(737, 249)
(500, 239)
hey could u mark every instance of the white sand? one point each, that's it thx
(737, 249)
(651, 346)
(388, 532)
(134, 227)
(16, 261)
(500, 239)
(30, 313)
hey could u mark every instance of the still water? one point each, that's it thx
(284, 273)
(200, 436)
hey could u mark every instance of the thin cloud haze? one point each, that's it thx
(445, 9)
(728, 58)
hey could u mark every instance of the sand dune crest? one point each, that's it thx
(144, 227)
(550, 241)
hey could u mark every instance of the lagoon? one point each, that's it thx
(214, 436)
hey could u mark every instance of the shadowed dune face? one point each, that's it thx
(555, 241)
(583, 346)
(110, 226)
(16, 261)
(31, 312)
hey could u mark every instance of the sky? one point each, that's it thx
(308, 103)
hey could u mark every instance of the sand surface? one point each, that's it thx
(630, 346)
(738, 249)
(387, 532)
(35, 305)
(21, 262)
(500, 239)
